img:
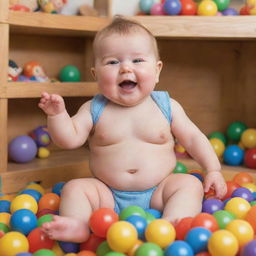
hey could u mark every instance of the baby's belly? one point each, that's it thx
(135, 168)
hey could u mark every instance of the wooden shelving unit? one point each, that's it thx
(208, 58)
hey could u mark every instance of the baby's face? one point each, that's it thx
(126, 67)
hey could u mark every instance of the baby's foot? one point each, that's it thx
(66, 229)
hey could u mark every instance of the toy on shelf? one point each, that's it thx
(70, 73)
(51, 6)
(35, 72)
(13, 71)
(23, 5)
(249, 8)
(74, 7)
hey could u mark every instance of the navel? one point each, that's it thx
(132, 171)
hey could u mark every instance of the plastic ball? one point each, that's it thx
(182, 227)
(101, 220)
(218, 135)
(212, 205)
(218, 146)
(223, 218)
(172, 7)
(188, 7)
(179, 248)
(69, 247)
(24, 202)
(145, 5)
(230, 12)
(233, 155)
(180, 168)
(70, 73)
(46, 211)
(5, 206)
(24, 254)
(23, 221)
(5, 218)
(149, 217)
(149, 249)
(41, 136)
(36, 187)
(222, 4)
(87, 253)
(248, 138)
(224, 243)
(49, 201)
(22, 149)
(198, 238)
(132, 251)
(139, 223)
(43, 219)
(115, 254)
(250, 217)
(157, 9)
(250, 158)
(242, 230)
(243, 193)
(3, 229)
(13, 243)
(207, 8)
(92, 243)
(58, 187)
(44, 252)
(160, 232)
(243, 177)
(249, 249)
(205, 220)
(103, 249)
(238, 206)
(132, 210)
(157, 214)
(121, 236)
(235, 130)
(43, 152)
(34, 193)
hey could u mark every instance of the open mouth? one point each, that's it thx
(127, 84)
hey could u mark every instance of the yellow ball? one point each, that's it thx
(238, 206)
(242, 230)
(218, 146)
(5, 218)
(36, 187)
(24, 202)
(57, 250)
(132, 251)
(43, 152)
(250, 186)
(207, 8)
(160, 232)
(248, 138)
(223, 243)
(122, 236)
(13, 243)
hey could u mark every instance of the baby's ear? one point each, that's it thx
(93, 73)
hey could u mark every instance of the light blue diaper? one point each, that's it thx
(124, 199)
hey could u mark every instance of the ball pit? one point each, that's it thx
(224, 228)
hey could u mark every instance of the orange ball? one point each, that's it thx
(86, 253)
(205, 220)
(243, 177)
(49, 201)
(231, 186)
(251, 217)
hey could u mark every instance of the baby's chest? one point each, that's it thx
(116, 126)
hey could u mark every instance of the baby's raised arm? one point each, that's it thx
(66, 132)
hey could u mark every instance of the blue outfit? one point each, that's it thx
(124, 199)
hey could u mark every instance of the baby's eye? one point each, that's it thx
(112, 62)
(137, 60)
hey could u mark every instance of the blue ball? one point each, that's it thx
(69, 247)
(172, 7)
(32, 192)
(244, 193)
(179, 248)
(157, 214)
(23, 221)
(58, 187)
(233, 155)
(198, 175)
(198, 238)
(5, 206)
(230, 12)
(145, 5)
(24, 254)
(212, 205)
(139, 223)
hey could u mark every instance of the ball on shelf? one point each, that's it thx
(248, 138)
(222, 4)
(172, 7)
(233, 155)
(207, 8)
(22, 149)
(41, 136)
(235, 130)
(70, 73)
(250, 158)
(218, 146)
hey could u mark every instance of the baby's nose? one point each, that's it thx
(125, 67)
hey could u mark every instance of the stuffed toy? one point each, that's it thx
(51, 6)
(23, 5)
(72, 7)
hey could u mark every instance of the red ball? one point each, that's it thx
(92, 243)
(231, 186)
(183, 226)
(250, 158)
(101, 220)
(39, 240)
(188, 7)
(205, 220)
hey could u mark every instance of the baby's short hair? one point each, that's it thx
(124, 26)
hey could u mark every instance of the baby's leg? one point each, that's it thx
(178, 196)
(79, 198)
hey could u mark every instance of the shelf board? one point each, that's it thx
(34, 89)
(54, 24)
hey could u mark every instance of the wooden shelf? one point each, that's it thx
(228, 171)
(34, 89)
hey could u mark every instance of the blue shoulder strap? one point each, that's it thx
(97, 106)
(162, 99)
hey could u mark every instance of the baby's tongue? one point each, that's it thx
(128, 85)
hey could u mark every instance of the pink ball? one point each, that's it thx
(157, 9)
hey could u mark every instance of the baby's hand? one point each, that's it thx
(216, 181)
(51, 104)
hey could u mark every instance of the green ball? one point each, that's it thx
(70, 73)
(252, 203)
(235, 130)
(132, 210)
(103, 249)
(180, 168)
(44, 252)
(149, 249)
(149, 217)
(4, 228)
(218, 135)
(223, 217)
(222, 4)
(43, 219)
(114, 254)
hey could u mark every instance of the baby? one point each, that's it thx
(130, 130)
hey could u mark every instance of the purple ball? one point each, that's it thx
(244, 193)
(212, 205)
(69, 247)
(22, 149)
(172, 7)
(249, 249)
(230, 12)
